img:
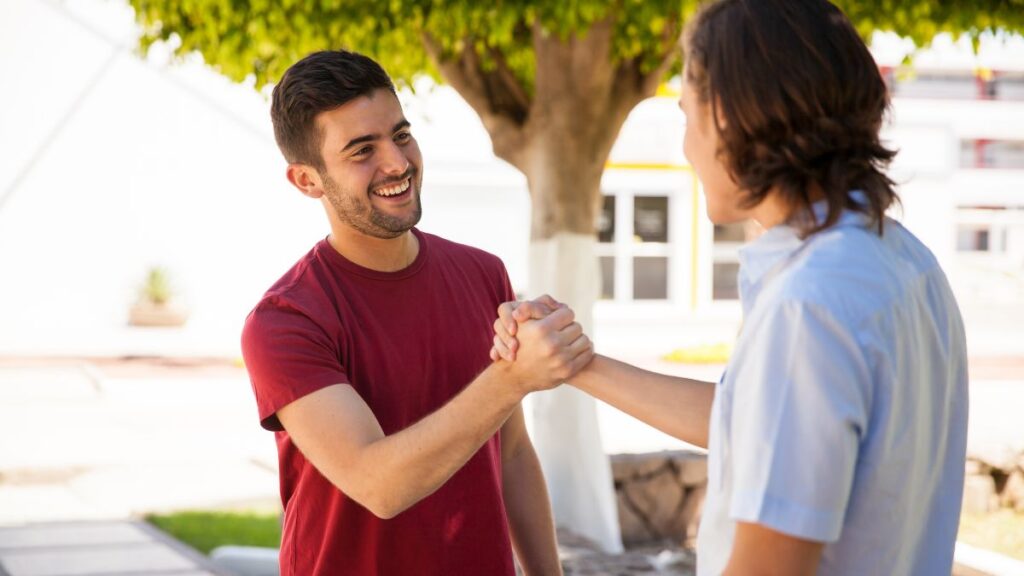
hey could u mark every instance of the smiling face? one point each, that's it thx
(372, 168)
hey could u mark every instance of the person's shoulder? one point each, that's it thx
(461, 253)
(294, 280)
(845, 271)
(909, 248)
(855, 272)
(300, 290)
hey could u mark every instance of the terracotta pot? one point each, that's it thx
(146, 313)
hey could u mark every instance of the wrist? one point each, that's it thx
(509, 382)
(585, 376)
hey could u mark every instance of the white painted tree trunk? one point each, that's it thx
(563, 421)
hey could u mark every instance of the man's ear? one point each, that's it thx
(306, 179)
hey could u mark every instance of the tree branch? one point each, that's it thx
(496, 96)
(634, 85)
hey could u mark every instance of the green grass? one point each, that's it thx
(206, 530)
(1001, 531)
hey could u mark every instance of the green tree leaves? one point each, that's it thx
(263, 37)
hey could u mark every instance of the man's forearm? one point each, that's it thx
(397, 471)
(528, 510)
(337, 432)
(679, 407)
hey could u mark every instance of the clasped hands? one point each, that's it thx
(540, 342)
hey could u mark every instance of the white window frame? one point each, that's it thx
(623, 249)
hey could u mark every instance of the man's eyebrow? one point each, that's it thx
(371, 137)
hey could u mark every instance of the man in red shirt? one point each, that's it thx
(402, 447)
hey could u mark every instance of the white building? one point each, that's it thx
(110, 164)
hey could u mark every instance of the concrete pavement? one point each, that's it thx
(106, 442)
(78, 444)
(97, 549)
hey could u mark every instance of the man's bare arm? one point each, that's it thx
(527, 506)
(761, 551)
(679, 407)
(338, 433)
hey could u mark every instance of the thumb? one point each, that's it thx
(532, 310)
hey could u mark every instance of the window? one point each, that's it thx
(606, 221)
(992, 154)
(989, 229)
(725, 264)
(607, 264)
(650, 278)
(725, 281)
(650, 219)
(1008, 86)
(633, 232)
(973, 238)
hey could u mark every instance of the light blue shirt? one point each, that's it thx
(842, 415)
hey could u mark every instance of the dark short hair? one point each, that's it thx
(801, 102)
(319, 82)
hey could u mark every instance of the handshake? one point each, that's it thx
(539, 343)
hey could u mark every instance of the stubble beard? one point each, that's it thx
(365, 218)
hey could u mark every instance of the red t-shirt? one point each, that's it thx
(407, 341)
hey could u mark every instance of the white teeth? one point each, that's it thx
(393, 190)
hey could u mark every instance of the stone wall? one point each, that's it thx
(660, 496)
(991, 484)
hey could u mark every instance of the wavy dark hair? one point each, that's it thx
(798, 103)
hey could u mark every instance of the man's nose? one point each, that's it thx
(395, 162)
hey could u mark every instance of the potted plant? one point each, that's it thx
(156, 305)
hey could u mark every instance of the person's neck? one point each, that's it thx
(773, 210)
(379, 254)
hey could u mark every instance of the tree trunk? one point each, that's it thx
(564, 427)
(560, 138)
(578, 109)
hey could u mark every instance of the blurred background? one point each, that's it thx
(144, 210)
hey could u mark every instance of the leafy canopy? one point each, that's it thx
(263, 37)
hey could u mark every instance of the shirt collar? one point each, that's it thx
(779, 242)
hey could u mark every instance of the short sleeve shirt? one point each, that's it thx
(842, 414)
(407, 342)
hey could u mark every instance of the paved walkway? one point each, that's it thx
(100, 443)
(121, 548)
(133, 548)
(87, 447)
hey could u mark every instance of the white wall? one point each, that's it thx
(110, 164)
